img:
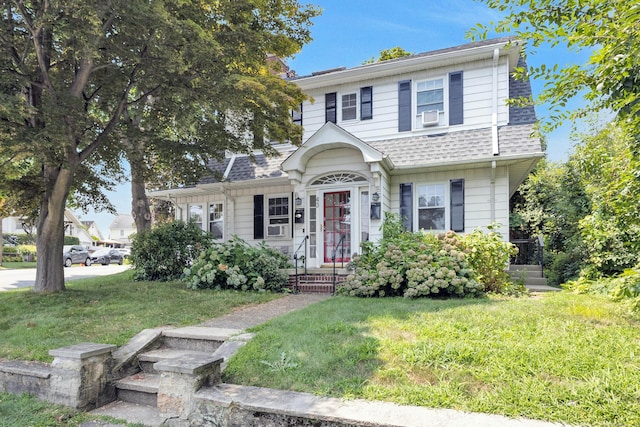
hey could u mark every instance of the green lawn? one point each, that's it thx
(14, 265)
(561, 357)
(108, 310)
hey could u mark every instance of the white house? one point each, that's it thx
(72, 227)
(121, 230)
(430, 137)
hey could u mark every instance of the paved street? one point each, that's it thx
(23, 278)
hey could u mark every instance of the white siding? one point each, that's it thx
(477, 93)
(477, 195)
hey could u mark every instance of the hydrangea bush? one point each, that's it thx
(238, 265)
(424, 264)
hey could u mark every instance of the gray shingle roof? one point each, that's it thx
(245, 168)
(517, 89)
(458, 146)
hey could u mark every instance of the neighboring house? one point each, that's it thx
(121, 229)
(429, 137)
(72, 227)
(92, 228)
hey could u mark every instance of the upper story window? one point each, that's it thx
(430, 96)
(438, 102)
(330, 107)
(349, 106)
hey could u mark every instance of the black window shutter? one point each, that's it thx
(456, 104)
(366, 103)
(258, 216)
(404, 106)
(330, 107)
(457, 205)
(406, 205)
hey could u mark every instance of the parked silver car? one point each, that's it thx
(75, 254)
(106, 256)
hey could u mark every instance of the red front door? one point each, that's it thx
(337, 226)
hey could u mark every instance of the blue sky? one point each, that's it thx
(351, 31)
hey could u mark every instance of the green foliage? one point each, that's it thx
(412, 265)
(624, 287)
(488, 255)
(387, 54)
(610, 77)
(71, 240)
(237, 265)
(163, 252)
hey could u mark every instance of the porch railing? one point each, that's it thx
(530, 252)
(296, 257)
(340, 244)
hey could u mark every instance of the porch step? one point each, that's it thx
(534, 279)
(130, 412)
(317, 283)
(140, 388)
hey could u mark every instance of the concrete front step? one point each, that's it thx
(131, 413)
(140, 388)
(150, 357)
(197, 338)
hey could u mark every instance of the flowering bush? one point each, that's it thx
(238, 265)
(412, 265)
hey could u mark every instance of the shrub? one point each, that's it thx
(412, 265)
(238, 265)
(488, 255)
(624, 287)
(163, 252)
(71, 240)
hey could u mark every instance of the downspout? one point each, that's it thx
(494, 104)
(492, 196)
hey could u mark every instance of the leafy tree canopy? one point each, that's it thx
(608, 29)
(81, 79)
(386, 54)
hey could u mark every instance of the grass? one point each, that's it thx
(108, 310)
(15, 265)
(562, 357)
(25, 410)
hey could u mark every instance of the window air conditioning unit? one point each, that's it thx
(277, 230)
(430, 118)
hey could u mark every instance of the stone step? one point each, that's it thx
(140, 388)
(148, 358)
(131, 413)
(197, 338)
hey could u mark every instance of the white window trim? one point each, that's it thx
(286, 226)
(209, 221)
(356, 106)
(444, 115)
(189, 206)
(446, 206)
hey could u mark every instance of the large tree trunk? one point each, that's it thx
(140, 209)
(50, 232)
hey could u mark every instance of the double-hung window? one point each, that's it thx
(430, 96)
(195, 214)
(296, 116)
(431, 207)
(278, 216)
(216, 220)
(349, 106)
